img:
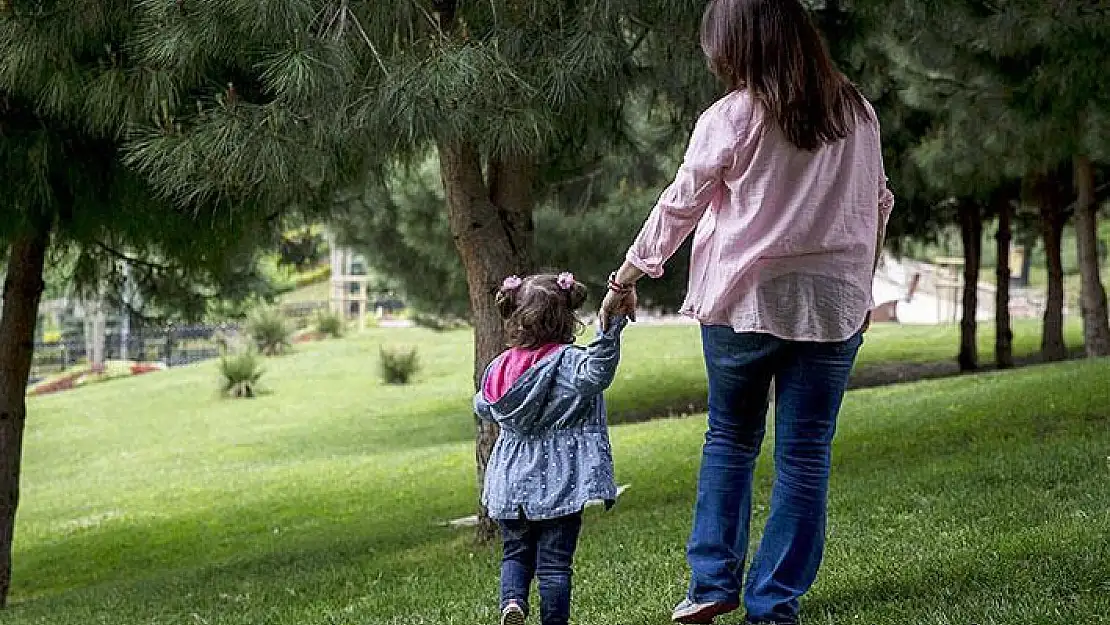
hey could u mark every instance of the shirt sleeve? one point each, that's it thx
(482, 408)
(886, 198)
(597, 367)
(711, 151)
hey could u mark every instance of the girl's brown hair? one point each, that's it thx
(539, 310)
(773, 49)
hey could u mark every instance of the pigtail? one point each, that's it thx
(575, 290)
(578, 295)
(507, 296)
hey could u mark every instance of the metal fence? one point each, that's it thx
(172, 345)
(301, 314)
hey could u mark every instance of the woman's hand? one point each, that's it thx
(620, 300)
(617, 304)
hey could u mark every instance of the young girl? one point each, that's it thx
(553, 453)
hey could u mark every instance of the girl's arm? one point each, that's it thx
(597, 367)
(481, 405)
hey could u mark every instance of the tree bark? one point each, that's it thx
(491, 224)
(1053, 219)
(1092, 297)
(971, 232)
(1003, 331)
(22, 290)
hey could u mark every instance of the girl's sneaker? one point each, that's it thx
(690, 613)
(513, 614)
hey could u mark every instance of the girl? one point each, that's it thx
(553, 453)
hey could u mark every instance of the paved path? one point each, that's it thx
(938, 294)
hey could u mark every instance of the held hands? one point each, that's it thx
(617, 304)
(620, 300)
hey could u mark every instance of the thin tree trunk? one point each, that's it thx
(491, 223)
(1053, 219)
(971, 233)
(1028, 243)
(1092, 298)
(22, 291)
(1003, 332)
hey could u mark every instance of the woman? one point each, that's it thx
(783, 189)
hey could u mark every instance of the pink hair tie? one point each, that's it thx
(511, 283)
(565, 281)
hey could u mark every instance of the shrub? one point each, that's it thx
(329, 324)
(241, 373)
(399, 366)
(437, 323)
(269, 331)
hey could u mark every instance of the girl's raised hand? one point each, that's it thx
(617, 304)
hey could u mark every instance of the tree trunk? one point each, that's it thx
(1028, 243)
(491, 224)
(1003, 332)
(971, 232)
(1053, 219)
(22, 291)
(1092, 297)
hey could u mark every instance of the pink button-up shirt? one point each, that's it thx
(784, 239)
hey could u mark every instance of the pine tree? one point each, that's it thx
(499, 90)
(1026, 75)
(240, 108)
(585, 214)
(74, 84)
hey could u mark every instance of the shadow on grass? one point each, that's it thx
(151, 578)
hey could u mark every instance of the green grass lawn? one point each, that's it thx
(319, 292)
(150, 501)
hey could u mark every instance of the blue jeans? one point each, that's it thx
(810, 381)
(544, 550)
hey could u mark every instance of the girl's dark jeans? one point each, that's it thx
(543, 550)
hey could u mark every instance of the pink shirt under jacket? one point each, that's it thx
(784, 239)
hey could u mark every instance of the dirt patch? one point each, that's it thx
(870, 376)
(865, 376)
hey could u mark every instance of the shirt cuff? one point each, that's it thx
(652, 271)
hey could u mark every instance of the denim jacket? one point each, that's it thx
(553, 453)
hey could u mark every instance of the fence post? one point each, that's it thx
(168, 347)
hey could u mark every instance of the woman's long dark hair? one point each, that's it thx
(773, 49)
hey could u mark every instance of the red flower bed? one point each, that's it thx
(85, 375)
(140, 368)
(61, 384)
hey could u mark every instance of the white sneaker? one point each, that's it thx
(690, 613)
(513, 614)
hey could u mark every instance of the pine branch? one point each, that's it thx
(118, 255)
